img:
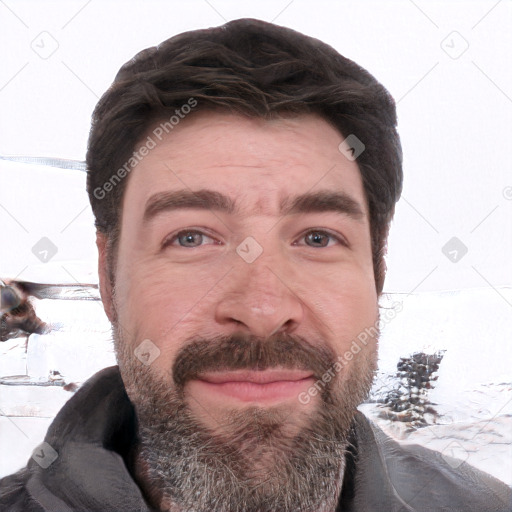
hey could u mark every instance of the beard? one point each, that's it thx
(260, 459)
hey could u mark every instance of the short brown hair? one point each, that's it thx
(251, 68)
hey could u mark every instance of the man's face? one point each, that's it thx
(245, 258)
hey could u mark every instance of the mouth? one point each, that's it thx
(262, 386)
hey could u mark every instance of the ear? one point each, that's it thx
(106, 291)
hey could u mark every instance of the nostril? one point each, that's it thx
(287, 327)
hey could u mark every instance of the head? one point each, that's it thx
(241, 257)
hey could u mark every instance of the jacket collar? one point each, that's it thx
(93, 435)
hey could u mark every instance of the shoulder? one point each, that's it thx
(14, 496)
(420, 479)
(95, 416)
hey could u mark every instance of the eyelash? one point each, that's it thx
(334, 236)
(170, 240)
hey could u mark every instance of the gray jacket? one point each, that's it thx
(85, 466)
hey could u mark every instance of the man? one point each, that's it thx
(243, 180)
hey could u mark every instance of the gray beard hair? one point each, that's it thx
(252, 463)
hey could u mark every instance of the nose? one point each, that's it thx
(260, 301)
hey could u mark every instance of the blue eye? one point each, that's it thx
(189, 239)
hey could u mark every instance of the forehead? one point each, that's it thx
(260, 163)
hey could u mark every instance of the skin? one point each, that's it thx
(171, 294)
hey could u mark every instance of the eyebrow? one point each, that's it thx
(323, 201)
(311, 202)
(176, 200)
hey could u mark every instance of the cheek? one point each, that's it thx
(163, 301)
(346, 304)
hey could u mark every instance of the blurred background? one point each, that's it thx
(448, 291)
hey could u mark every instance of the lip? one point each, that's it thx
(255, 376)
(273, 385)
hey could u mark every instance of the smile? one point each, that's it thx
(252, 386)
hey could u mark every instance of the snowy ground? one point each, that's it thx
(473, 394)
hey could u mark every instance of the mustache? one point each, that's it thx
(247, 352)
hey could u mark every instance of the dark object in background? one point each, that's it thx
(18, 317)
(17, 314)
(9, 298)
(408, 401)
